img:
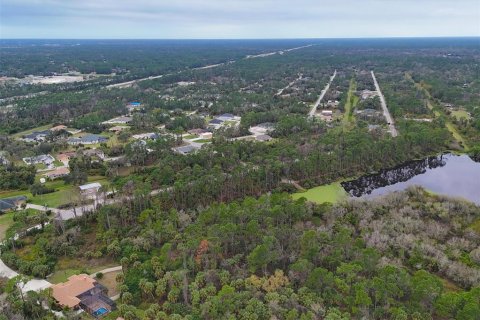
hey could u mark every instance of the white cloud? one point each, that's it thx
(237, 18)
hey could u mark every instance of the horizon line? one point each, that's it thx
(308, 38)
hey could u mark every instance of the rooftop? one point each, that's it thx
(90, 186)
(66, 293)
(9, 203)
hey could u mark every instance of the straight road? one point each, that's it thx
(132, 82)
(280, 91)
(322, 94)
(391, 124)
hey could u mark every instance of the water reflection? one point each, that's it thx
(445, 174)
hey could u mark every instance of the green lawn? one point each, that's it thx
(20, 134)
(63, 195)
(461, 114)
(6, 220)
(327, 193)
(67, 267)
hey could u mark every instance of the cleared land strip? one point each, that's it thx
(438, 113)
(391, 124)
(350, 104)
(313, 110)
(132, 82)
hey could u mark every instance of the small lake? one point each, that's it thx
(448, 174)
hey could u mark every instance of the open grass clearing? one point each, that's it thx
(6, 220)
(67, 267)
(64, 193)
(461, 114)
(352, 101)
(327, 193)
(41, 128)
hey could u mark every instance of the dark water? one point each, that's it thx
(452, 175)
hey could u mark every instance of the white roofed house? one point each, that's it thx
(90, 189)
(88, 139)
(118, 120)
(46, 159)
(57, 173)
(226, 117)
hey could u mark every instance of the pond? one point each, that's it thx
(448, 174)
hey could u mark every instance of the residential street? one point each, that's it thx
(391, 124)
(324, 91)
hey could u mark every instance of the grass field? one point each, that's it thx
(461, 114)
(41, 128)
(327, 193)
(352, 101)
(6, 220)
(67, 267)
(63, 195)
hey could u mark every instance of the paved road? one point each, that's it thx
(131, 82)
(391, 124)
(280, 91)
(31, 285)
(322, 94)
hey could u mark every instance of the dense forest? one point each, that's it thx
(407, 255)
(215, 233)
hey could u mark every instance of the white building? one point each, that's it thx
(90, 188)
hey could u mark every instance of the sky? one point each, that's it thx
(219, 19)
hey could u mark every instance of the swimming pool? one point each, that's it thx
(100, 312)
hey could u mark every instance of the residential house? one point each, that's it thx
(118, 120)
(36, 136)
(197, 132)
(226, 117)
(186, 149)
(367, 94)
(65, 157)
(57, 173)
(58, 128)
(118, 129)
(90, 189)
(11, 203)
(46, 159)
(206, 135)
(262, 128)
(215, 123)
(88, 139)
(142, 136)
(94, 153)
(82, 291)
(134, 106)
